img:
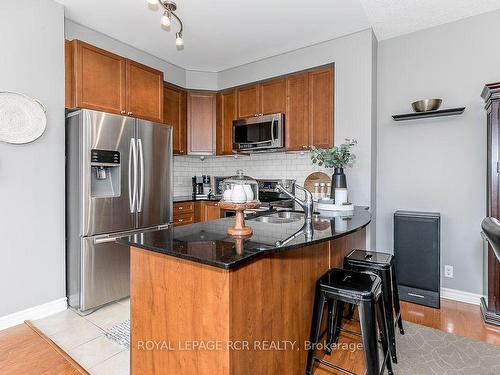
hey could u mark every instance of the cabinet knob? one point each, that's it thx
(123, 112)
(129, 113)
(181, 220)
(181, 208)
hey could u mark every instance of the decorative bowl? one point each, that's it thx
(426, 105)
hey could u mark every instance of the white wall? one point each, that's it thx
(438, 164)
(32, 175)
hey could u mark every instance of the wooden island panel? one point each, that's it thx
(267, 300)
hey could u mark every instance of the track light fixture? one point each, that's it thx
(166, 20)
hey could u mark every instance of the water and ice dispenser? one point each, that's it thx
(105, 171)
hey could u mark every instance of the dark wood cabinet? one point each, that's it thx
(226, 113)
(491, 306)
(201, 122)
(272, 96)
(321, 107)
(175, 112)
(297, 112)
(248, 101)
(100, 80)
(144, 94)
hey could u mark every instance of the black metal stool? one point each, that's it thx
(363, 290)
(381, 264)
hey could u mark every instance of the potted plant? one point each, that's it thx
(337, 157)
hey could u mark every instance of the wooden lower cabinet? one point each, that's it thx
(268, 300)
(174, 114)
(184, 213)
(210, 211)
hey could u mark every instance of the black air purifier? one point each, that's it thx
(417, 249)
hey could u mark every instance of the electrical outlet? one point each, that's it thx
(448, 271)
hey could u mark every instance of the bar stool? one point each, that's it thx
(381, 264)
(363, 290)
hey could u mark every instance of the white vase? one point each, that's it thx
(238, 195)
(248, 192)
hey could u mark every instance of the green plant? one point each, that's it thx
(335, 157)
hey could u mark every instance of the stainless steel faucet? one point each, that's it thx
(306, 203)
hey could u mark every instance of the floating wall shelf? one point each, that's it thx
(429, 114)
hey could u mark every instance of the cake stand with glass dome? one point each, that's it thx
(240, 193)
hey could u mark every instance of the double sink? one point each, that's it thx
(281, 217)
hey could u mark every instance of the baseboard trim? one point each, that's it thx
(461, 296)
(33, 313)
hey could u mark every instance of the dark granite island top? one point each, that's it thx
(208, 243)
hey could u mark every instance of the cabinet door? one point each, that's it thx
(174, 114)
(226, 113)
(99, 79)
(211, 211)
(201, 123)
(321, 107)
(272, 96)
(248, 101)
(144, 92)
(297, 112)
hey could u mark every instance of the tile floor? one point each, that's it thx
(82, 337)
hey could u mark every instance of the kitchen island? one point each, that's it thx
(205, 303)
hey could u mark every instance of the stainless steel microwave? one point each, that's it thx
(259, 133)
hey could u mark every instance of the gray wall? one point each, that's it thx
(32, 175)
(354, 105)
(438, 164)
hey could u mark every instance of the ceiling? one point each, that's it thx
(222, 34)
(390, 18)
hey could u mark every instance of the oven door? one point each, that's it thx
(258, 133)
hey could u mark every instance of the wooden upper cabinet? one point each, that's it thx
(144, 92)
(226, 113)
(174, 114)
(248, 101)
(297, 112)
(272, 96)
(99, 79)
(321, 107)
(201, 120)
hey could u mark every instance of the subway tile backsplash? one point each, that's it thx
(293, 165)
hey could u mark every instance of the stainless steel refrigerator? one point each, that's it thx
(118, 182)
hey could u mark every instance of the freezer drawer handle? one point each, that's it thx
(141, 181)
(132, 163)
(415, 295)
(98, 241)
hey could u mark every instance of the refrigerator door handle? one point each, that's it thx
(98, 241)
(141, 181)
(132, 185)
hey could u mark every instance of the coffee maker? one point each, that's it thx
(201, 187)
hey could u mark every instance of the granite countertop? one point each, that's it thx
(190, 198)
(208, 243)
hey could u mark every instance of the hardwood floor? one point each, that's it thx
(459, 318)
(24, 350)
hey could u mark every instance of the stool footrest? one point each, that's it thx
(331, 365)
(350, 332)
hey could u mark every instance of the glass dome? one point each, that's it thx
(240, 189)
